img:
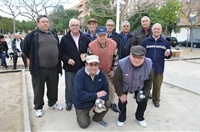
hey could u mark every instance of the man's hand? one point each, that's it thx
(111, 74)
(123, 98)
(71, 62)
(167, 52)
(101, 93)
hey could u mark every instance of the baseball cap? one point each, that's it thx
(101, 30)
(138, 50)
(92, 58)
(1, 36)
(92, 20)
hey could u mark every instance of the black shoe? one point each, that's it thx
(150, 96)
(114, 108)
(14, 68)
(157, 104)
(68, 108)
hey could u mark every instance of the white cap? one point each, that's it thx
(92, 58)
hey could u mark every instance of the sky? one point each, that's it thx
(66, 6)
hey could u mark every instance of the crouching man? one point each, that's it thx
(90, 86)
(133, 75)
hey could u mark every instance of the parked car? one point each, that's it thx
(172, 40)
(196, 43)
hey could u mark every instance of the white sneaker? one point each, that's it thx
(38, 113)
(142, 123)
(120, 124)
(57, 106)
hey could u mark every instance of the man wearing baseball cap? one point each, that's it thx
(107, 51)
(133, 75)
(92, 26)
(90, 83)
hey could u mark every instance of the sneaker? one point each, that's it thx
(56, 106)
(101, 123)
(120, 124)
(115, 108)
(38, 113)
(142, 123)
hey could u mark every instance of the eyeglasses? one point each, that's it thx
(137, 57)
(110, 25)
(125, 26)
(93, 64)
(74, 25)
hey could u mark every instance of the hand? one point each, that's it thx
(111, 74)
(71, 62)
(167, 53)
(123, 98)
(101, 93)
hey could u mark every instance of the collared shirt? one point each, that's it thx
(92, 76)
(76, 38)
(18, 45)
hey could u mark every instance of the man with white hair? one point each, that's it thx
(73, 45)
(126, 39)
(17, 49)
(158, 49)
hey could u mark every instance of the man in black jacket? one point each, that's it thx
(41, 46)
(17, 49)
(142, 33)
(73, 51)
(126, 39)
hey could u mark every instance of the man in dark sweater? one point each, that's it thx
(90, 84)
(41, 46)
(133, 75)
(73, 45)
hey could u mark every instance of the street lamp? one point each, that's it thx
(119, 3)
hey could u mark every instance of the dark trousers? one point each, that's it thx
(139, 114)
(15, 57)
(69, 84)
(50, 77)
(157, 82)
(83, 117)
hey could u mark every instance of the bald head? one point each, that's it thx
(157, 30)
(145, 22)
(17, 36)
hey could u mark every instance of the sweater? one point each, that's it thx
(85, 89)
(108, 56)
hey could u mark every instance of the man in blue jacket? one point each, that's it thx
(90, 84)
(157, 49)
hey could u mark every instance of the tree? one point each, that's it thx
(11, 8)
(27, 26)
(102, 10)
(157, 14)
(60, 18)
(190, 11)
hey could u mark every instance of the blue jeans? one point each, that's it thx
(69, 84)
(3, 60)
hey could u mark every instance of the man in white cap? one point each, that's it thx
(133, 75)
(90, 84)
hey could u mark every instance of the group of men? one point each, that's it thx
(98, 64)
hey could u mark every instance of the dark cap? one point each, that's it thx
(1, 36)
(101, 30)
(138, 50)
(92, 20)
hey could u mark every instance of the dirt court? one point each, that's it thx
(11, 108)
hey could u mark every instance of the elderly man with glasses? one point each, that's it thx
(90, 84)
(73, 45)
(133, 75)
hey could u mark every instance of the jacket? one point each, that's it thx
(91, 38)
(14, 48)
(30, 49)
(155, 51)
(85, 89)
(125, 47)
(70, 51)
(139, 35)
(128, 78)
